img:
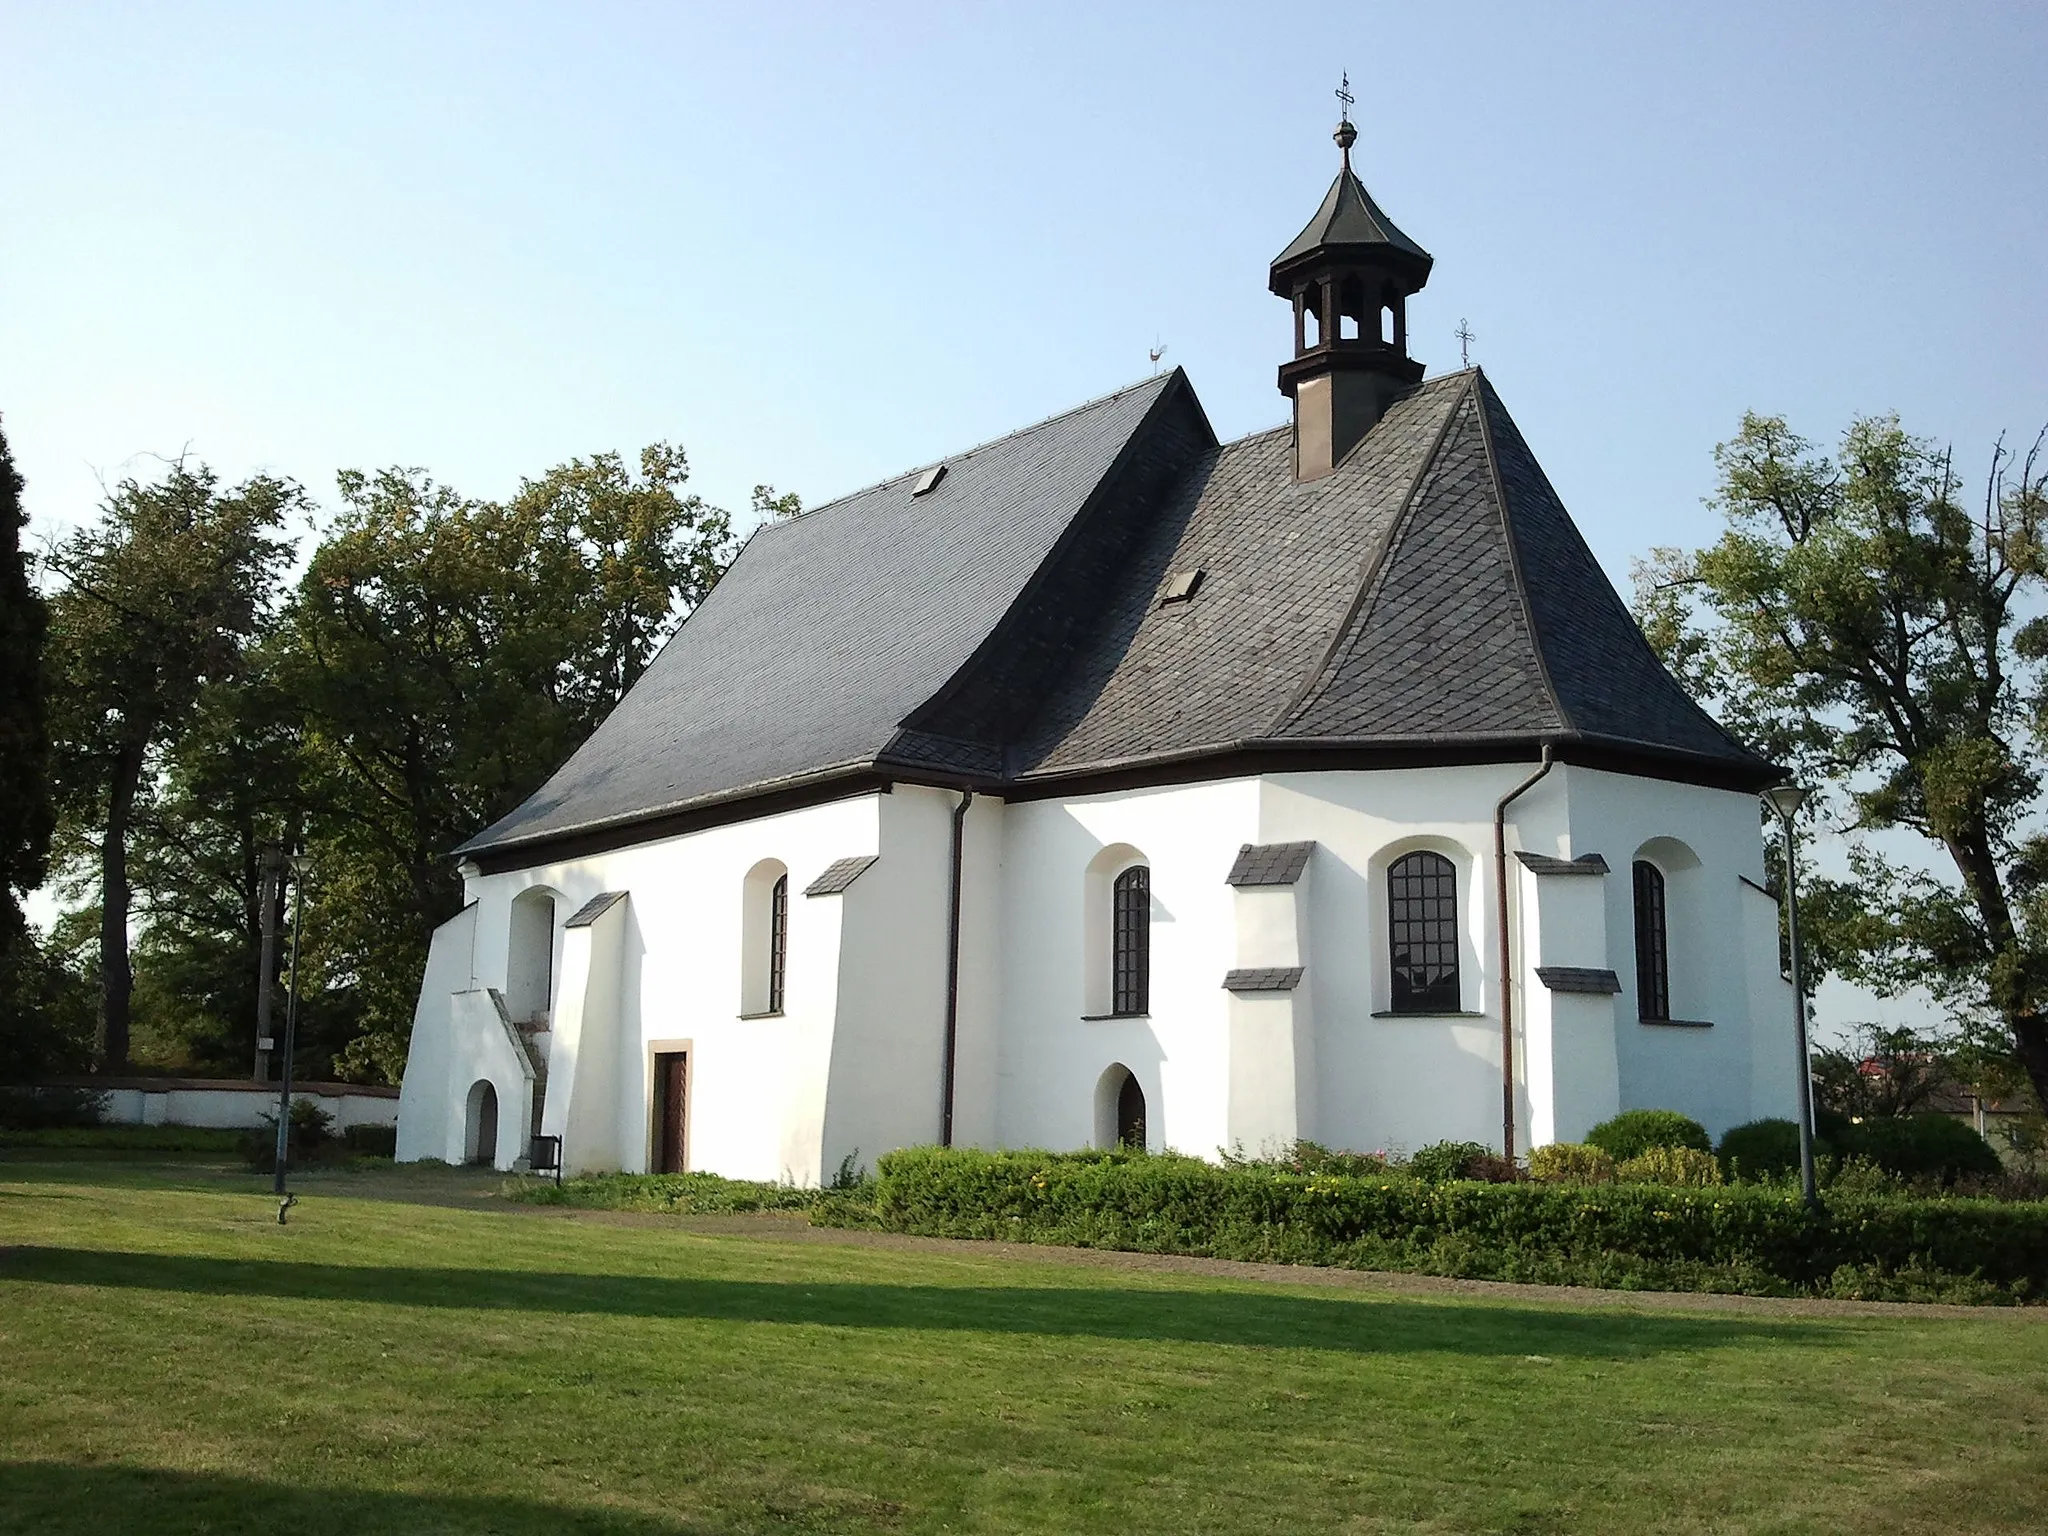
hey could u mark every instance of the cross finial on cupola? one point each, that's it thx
(1346, 135)
(1350, 275)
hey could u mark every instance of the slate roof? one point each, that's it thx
(1264, 978)
(1349, 217)
(839, 874)
(829, 628)
(1578, 978)
(1269, 863)
(1429, 600)
(1549, 864)
(594, 908)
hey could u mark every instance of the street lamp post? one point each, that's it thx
(291, 1039)
(1786, 799)
(270, 862)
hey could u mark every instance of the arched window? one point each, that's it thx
(1131, 942)
(1653, 957)
(1422, 911)
(764, 939)
(778, 941)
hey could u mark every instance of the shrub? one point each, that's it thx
(1932, 1147)
(1748, 1239)
(1492, 1168)
(1853, 1176)
(312, 1137)
(1446, 1160)
(1762, 1149)
(1684, 1167)
(43, 1109)
(368, 1140)
(1570, 1162)
(1635, 1131)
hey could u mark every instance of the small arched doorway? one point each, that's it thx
(1120, 1109)
(1130, 1114)
(480, 1125)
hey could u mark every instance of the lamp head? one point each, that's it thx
(1786, 799)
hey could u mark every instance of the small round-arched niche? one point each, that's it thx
(1120, 1109)
(1098, 916)
(530, 957)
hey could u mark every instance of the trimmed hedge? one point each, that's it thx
(675, 1194)
(1755, 1240)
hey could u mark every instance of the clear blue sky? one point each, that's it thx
(817, 244)
(820, 243)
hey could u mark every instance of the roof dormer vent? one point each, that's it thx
(929, 480)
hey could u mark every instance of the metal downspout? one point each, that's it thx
(1507, 979)
(953, 968)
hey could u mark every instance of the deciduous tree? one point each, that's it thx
(156, 601)
(1859, 623)
(26, 817)
(447, 655)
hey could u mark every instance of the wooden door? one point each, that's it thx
(671, 1100)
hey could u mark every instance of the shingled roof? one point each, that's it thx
(1349, 217)
(1428, 601)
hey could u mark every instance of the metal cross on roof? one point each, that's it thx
(1465, 340)
(1344, 95)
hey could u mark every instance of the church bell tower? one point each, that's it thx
(1349, 275)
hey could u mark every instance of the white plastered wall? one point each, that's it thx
(1725, 1069)
(1567, 1038)
(1272, 1034)
(429, 1112)
(853, 1062)
(1052, 1053)
(673, 972)
(1398, 1083)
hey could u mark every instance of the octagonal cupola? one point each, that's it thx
(1349, 275)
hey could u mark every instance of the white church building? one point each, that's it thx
(1107, 782)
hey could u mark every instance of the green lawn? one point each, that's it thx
(172, 1360)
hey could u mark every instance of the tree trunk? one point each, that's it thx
(2030, 1036)
(117, 981)
(2012, 996)
(117, 977)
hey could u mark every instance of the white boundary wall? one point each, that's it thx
(241, 1106)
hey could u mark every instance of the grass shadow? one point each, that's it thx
(63, 1500)
(1278, 1320)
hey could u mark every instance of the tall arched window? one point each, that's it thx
(1422, 911)
(1131, 942)
(764, 939)
(778, 941)
(1653, 957)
